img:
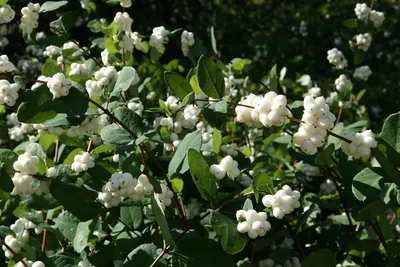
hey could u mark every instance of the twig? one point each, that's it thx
(339, 114)
(87, 52)
(339, 136)
(56, 152)
(378, 232)
(346, 209)
(229, 103)
(44, 242)
(90, 145)
(15, 254)
(252, 254)
(294, 236)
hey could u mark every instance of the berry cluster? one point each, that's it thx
(15, 243)
(6, 14)
(328, 187)
(317, 120)
(269, 110)
(136, 106)
(51, 51)
(8, 93)
(158, 37)
(59, 85)
(93, 88)
(342, 83)
(26, 164)
(363, 12)
(5, 64)
(165, 196)
(82, 162)
(126, 44)
(283, 202)
(126, 3)
(30, 16)
(363, 41)
(227, 166)
(292, 262)
(230, 149)
(362, 73)
(253, 223)
(124, 21)
(79, 69)
(337, 59)
(105, 75)
(187, 40)
(361, 144)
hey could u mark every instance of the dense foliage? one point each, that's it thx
(199, 133)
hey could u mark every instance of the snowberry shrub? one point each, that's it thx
(143, 147)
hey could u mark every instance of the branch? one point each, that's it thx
(339, 136)
(15, 254)
(294, 236)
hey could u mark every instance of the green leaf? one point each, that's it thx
(67, 224)
(130, 119)
(217, 140)
(39, 108)
(231, 240)
(132, 216)
(51, 6)
(338, 129)
(271, 133)
(391, 133)
(210, 254)
(392, 173)
(50, 68)
(248, 205)
(8, 157)
(215, 113)
(350, 23)
(115, 134)
(60, 27)
(144, 255)
(178, 84)
(179, 163)
(262, 183)
(200, 171)
(19, 81)
(6, 183)
(211, 78)
(126, 78)
(80, 203)
(214, 41)
(316, 258)
(240, 65)
(273, 79)
(325, 156)
(59, 260)
(371, 210)
(81, 238)
(177, 185)
(367, 184)
(159, 215)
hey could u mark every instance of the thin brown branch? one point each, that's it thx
(55, 159)
(16, 255)
(339, 114)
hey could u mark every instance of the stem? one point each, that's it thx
(44, 242)
(90, 145)
(346, 209)
(252, 254)
(378, 232)
(229, 103)
(56, 152)
(339, 115)
(87, 52)
(294, 236)
(295, 119)
(339, 136)
(16, 255)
